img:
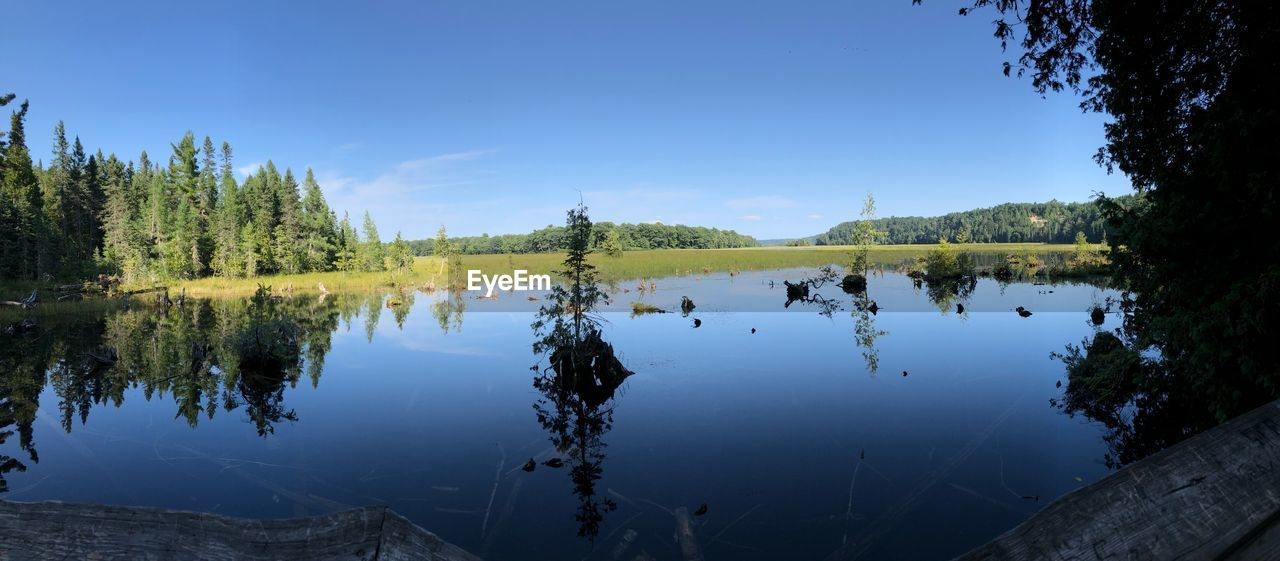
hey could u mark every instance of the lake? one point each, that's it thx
(805, 428)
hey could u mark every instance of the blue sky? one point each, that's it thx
(770, 118)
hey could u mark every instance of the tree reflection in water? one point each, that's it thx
(209, 356)
(576, 409)
(578, 387)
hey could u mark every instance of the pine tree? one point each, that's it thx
(56, 192)
(400, 254)
(319, 226)
(442, 247)
(345, 257)
(21, 212)
(287, 240)
(227, 258)
(115, 218)
(372, 254)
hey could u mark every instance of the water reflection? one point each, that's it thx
(207, 356)
(448, 311)
(727, 383)
(576, 409)
(1144, 408)
(578, 387)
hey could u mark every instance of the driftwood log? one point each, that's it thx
(1213, 496)
(689, 550)
(54, 530)
(26, 303)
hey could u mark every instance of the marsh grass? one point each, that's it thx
(427, 273)
(642, 308)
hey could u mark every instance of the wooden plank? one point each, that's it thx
(54, 530)
(1213, 496)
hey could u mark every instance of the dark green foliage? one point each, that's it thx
(1193, 123)
(85, 215)
(1051, 222)
(319, 227)
(22, 219)
(631, 237)
(567, 318)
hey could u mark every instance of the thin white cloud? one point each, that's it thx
(760, 202)
(248, 169)
(816, 217)
(395, 198)
(751, 217)
(348, 147)
(437, 161)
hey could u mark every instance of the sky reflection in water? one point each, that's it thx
(768, 429)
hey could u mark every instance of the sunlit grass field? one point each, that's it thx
(427, 271)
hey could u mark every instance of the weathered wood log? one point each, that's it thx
(689, 549)
(1213, 496)
(28, 302)
(54, 530)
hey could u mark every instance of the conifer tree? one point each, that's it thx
(400, 255)
(372, 255)
(21, 214)
(287, 243)
(319, 226)
(227, 259)
(345, 258)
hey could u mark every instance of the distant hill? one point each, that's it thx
(1051, 222)
(633, 236)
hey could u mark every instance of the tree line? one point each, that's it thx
(188, 217)
(603, 234)
(1051, 222)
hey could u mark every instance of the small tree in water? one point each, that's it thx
(584, 374)
(865, 235)
(576, 296)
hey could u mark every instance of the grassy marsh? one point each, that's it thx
(428, 272)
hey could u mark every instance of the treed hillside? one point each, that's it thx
(86, 214)
(1051, 222)
(631, 236)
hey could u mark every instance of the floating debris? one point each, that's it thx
(904, 373)
(686, 305)
(702, 509)
(959, 308)
(1097, 315)
(554, 463)
(1023, 312)
(697, 323)
(529, 465)
(753, 330)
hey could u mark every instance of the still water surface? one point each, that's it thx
(795, 446)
